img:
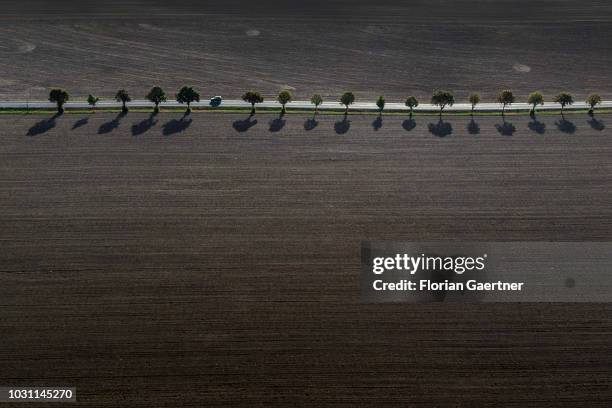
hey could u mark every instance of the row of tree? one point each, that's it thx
(187, 95)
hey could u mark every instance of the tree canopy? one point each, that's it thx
(412, 102)
(59, 97)
(443, 99)
(564, 99)
(92, 100)
(535, 98)
(122, 96)
(187, 95)
(252, 97)
(380, 102)
(316, 100)
(593, 100)
(506, 98)
(347, 99)
(474, 99)
(157, 96)
(284, 97)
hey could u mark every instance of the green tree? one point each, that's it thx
(93, 101)
(123, 97)
(316, 100)
(187, 95)
(535, 98)
(347, 99)
(506, 98)
(380, 102)
(59, 97)
(252, 97)
(442, 99)
(593, 100)
(157, 96)
(284, 97)
(412, 102)
(474, 99)
(564, 99)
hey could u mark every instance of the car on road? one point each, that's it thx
(216, 101)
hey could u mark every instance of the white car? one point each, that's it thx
(216, 101)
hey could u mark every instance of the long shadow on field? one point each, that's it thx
(441, 128)
(342, 126)
(43, 126)
(176, 125)
(144, 126)
(597, 124)
(111, 125)
(79, 123)
(537, 126)
(505, 128)
(277, 124)
(377, 123)
(473, 127)
(310, 124)
(409, 124)
(244, 124)
(566, 126)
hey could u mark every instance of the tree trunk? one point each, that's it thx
(252, 108)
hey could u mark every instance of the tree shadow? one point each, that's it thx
(377, 123)
(536, 126)
(310, 124)
(43, 126)
(244, 124)
(111, 125)
(409, 124)
(176, 125)
(277, 124)
(473, 127)
(596, 124)
(440, 129)
(79, 123)
(566, 126)
(342, 126)
(505, 128)
(144, 126)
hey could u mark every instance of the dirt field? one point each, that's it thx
(213, 261)
(389, 47)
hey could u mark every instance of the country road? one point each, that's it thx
(237, 103)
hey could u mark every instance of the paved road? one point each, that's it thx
(236, 103)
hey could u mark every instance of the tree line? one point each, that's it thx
(187, 95)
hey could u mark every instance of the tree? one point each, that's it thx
(252, 98)
(593, 100)
(474, 99)
(347, 99)
(316, 100)
(442, 99)
(506, 98)
(412, 102)
(93, 101)
(564, 99)
(123, 97)
(535, 98)
(380, 102)
(187, 95)
(59, 97)
(284, 97)
(157, 96)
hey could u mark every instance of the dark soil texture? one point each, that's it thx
(213, 260)
(390, 47)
